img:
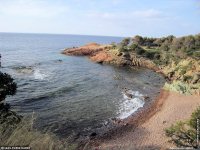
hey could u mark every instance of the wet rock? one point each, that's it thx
(130, 96)
(24, 69)
(116, 120)
(58, 61)
(146, 97)
(93, 134)
(100, 61)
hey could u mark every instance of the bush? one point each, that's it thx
(123, 49)
(150, 55)
(113, 44)
(139, 51)
(133, 47)
(184, 134)
(180, 87)
(125, 42)
(7, 86)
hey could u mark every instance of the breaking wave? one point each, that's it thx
(130, 104)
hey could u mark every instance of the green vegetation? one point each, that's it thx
(164, 49)
(7, 86)
(178, 58)
(184, 134)
(178, 86)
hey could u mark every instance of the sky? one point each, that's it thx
(152, 18)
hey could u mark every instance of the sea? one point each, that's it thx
(71, 95)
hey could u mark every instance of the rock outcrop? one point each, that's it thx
(87, 50)
(187, 71)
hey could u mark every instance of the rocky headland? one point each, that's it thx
(184, 76)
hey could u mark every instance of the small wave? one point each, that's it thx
(24, 69)
(130, 105)
(31, 71)
(51, 94)
(38, 75)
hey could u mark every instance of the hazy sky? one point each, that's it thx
(101, 17)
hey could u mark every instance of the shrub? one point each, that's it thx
(123, 49)
(113, 44)
(133, 46)
(139, 51)
(184, 134)
(7, 86)
(149, 54)
(157, 56)
(178, 86)
(125, 42)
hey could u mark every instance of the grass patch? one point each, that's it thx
(21, 133)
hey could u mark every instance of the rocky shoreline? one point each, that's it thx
(106, 54)
(186, 71)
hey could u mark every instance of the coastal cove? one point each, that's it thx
(73, 96)
(182, 74)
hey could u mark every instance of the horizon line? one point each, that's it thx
(63, 34)
(96, 35)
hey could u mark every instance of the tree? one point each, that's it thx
(133, 46)
(165, 46)
(7, 86)
(177, 43)
(139, 50)
(158, 42)
(138, 40)
(114, 45)
(197, 41)
(170, 38)
(125, 42)
(189, 42)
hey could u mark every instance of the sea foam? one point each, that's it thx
(130, 105)
(38, 75)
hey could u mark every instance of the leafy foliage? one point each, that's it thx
(184, 134)
(178, 86)
(168, 48)
(125, 42)
(7, 86)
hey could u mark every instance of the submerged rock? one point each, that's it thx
(130, 96)
(24, 69)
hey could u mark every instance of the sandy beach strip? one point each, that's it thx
(172, 107)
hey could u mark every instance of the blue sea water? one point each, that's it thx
(70, 94)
